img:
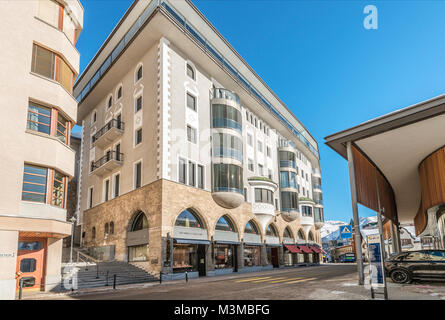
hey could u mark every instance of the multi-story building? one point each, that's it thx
(189, 162)
(38, 70)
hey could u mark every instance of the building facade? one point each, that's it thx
(36, 83)
(189, 162)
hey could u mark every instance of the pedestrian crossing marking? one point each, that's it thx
(257, 281)
(287, 279)
(252, 279)
(302, 280)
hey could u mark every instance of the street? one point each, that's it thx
(323, 282)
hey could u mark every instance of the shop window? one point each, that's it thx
(251, 228)
(271, 231)
(188, 218)
(28, 265)
(185, 258)
(138, 253)
(252, 256)
(223, 256)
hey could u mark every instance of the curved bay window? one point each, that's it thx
(36, 182)
(306, 211)
(263, 196)
(227, 146)
(288, 179)
(225, 224)
(226, 117)
(227, 177)
(289, 201)
(318, 215)
(287, 159)
(188, 218)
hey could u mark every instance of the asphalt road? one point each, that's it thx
(316, 282)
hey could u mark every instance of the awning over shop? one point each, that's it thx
(316, 249)
(305, 249)
(293, 248)
(191, 241)
(226, 242)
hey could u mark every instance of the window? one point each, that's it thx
(182, 175)
(192, 173)
(188, 218)
(50, 65)
(269, 174)
(138, 137)
(140, 222)
(58, 197)
(34, 184)
(138, 104)
(289, 201)
(119, 93)
(249, 139)
(250, 165)
(137, 175)
(106, 189)
(111, 227)
(28, 265)
(227, 177)
(271, 231)
(200, 177)
(276, 205)
(93, 233)
(191, 134)
(90, 197)
(251, 228)
(138, 74)
(110, 102)
(245, 194)
(39, 118)
(190, 71)
(263, 196)
(94, 119)
(62, 132)
(117, 178)
(256, 123)
(30, 245)
(268, 153)
(260, 146)
(225, 116)
(260, 169)
(191, 101)
(225, 224)
(306, 211)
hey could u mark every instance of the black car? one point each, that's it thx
(421, 264)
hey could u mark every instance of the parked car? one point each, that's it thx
(421, 264)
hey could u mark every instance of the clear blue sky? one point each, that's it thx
(321, 61)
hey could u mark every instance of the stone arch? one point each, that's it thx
(228, 217)
(273, 228)
(196, 213)
(134, 217)
(290, 232)
(257, 226)
(301, 234)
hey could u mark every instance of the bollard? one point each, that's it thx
(114, 281)
(20, 288)
(107, 279)
(160, 277)
(186, 277)
(97, 271)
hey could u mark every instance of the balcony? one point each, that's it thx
(220, 93)
(288, 164)
(107, 163)
(108, 133)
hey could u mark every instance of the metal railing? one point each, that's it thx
(226, 123)
(220, 93)
(113, 123)
(110, 155)
(287, 164)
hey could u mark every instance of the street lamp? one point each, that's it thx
(73, 219)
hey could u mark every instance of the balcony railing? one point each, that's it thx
(114, 123)
(286, 143)
(109, 156)
(316, 186)
(287, 164)
(228, 153)
(220, 93)
(226, 123)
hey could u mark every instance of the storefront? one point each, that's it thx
(289, 256)
(225, 247)
(252, 248)
(190, 245)
(137, 238)
(307, 252)
(273, 246)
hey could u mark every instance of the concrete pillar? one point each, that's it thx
(210, 266)
(8, 261)
(53, 263)
(264, 255)
(280, 257)
(240, 255)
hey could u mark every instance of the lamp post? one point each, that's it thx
(73, 219)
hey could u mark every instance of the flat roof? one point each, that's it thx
(216, 44)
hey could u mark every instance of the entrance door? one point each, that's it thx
(202, 260)
(30, 260)
(274, 256)
(235, 258)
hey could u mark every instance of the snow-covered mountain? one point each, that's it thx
(366, 222)
(331, 226)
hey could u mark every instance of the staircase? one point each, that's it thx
(101, 274)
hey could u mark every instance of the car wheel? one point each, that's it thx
(400, 276)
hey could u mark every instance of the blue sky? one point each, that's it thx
(321, 61)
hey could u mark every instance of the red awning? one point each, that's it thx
(305, 249)
(292, 248)
(315, 249)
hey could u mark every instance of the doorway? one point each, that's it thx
(30, 263)
(202, 260)
(274, 257)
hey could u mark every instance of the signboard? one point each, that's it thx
(375, 260)
(346, 232)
